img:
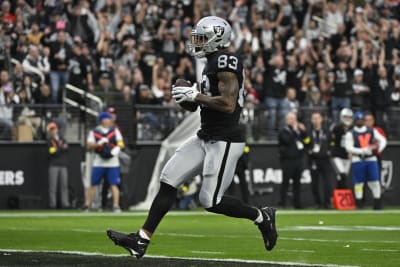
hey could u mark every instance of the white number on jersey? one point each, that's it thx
(225, 61)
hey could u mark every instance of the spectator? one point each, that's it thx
(341, 95)
(36, 65)
(7, 99)
(275, 91)
(291, 146)
(290, 103)
(59, 54)
(58, 170)
(105, 87)
(104, 58)
(27, 90)
(360, 95)
(6, 16)
(45, 96)
(106, 141)
(80, 69)
(381, 89)
(35, 34)
(82, 22)
(314, 101)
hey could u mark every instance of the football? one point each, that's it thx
(190, 106)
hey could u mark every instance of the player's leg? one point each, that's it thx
(374, 183)
(97, 174)
(358, 180)
(218, 172)
(184, 164)
(342, 167)
(114, 179)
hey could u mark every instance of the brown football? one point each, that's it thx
(190, 106)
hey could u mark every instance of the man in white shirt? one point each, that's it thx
(106, 141)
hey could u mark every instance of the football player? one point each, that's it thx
(340, 158)
(214, 151)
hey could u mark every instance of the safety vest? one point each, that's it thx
(364, 139)
(105, 149)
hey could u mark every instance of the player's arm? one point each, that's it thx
(120, 140)
(382, 142)
(228, 87)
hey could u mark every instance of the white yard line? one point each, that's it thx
(381, 250)
(295, 250)
(206, 236)
(282, 263)
(40, 214)
(206, 252)
(340, 228)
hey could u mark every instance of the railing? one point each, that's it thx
(146, 123)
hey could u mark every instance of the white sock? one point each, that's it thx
(260, 217)
(143, 234)
(358, 190)
(375, 188)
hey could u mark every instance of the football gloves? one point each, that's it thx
(185, 93)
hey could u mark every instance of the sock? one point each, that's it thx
(233, 207)
(143, 234)
(358, 190)
(160, 206)
(375, 189)
(260, 217)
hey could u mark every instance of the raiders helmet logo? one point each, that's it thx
(219, 31)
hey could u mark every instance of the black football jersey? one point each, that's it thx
(217, 125)
(337, 142)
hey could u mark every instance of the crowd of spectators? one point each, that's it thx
(319, 54)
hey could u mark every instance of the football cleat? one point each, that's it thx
(133, 243)
(267, 227)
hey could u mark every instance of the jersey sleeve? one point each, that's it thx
(91, 138)
(118, 135)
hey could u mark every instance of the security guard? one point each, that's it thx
(319, 162)
(292, 139)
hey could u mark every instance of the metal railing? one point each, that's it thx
(146, 123)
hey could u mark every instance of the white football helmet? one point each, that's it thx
(346, 116)
(209, 35)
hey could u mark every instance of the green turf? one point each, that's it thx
(362, 239)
